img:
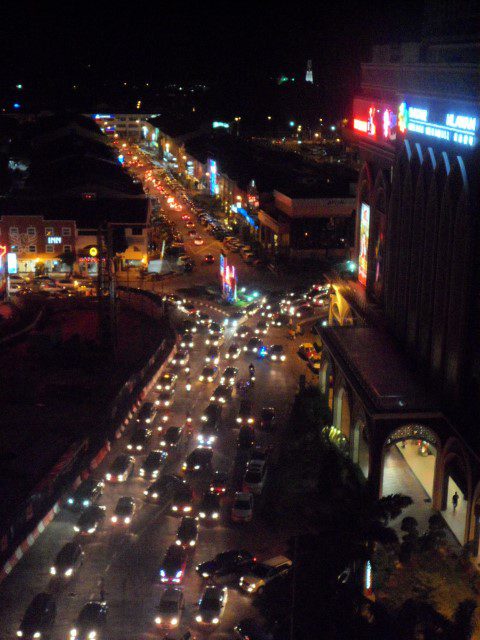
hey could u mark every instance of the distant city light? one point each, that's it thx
(333, 127)
(19, 86)
(291, 123)
(16, 105)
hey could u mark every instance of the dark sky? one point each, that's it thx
(46, 44)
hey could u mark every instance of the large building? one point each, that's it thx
(402, 353)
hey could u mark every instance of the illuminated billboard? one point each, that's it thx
(213, 177)
(364, 234)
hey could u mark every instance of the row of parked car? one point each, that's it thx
(52, 285)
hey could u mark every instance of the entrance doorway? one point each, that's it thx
(409, 468)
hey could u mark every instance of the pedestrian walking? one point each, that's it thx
(455, 501)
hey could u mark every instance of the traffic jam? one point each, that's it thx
(198, 453)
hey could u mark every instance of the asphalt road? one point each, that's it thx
(128, 561)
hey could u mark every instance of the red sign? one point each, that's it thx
(375, 120)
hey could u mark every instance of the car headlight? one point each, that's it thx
(245, 348)
(91, 530)
(250, 420)
(19, 633)
(127, 520)
(145, 493)
(254, 349)
(239, 419)
(108, 476)
(121, 478)
(129, 446)
(198, 618)
(70, 501)
(68, 572)
(201, 378)
(174, 622)
(142, 472)
(158, 620)
(139, 447)
(53, 571)
(282, 358)
(215, 515)
(92, 635)
(196, 467)
(251, 587)
(274, 357)
(202, 514)
(178, 542)
(215, 621)
(184, 466)
(75, 528)
(212, 398)
(147, 420)
(210, 378)
(73, 633)
(192, 543)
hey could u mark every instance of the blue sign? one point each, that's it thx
(242, 212)
(451, 127)
(213, 178)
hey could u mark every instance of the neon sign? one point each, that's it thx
(364, 235)
(54, 240)
(241, 211)
(220, 125)
(213, 178)
(377, 120)
(455, 128)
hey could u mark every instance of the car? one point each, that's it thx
(139, 440)
(187, 533)
(219, 483)
(165, 398)
(166, 382)
(124, 511)
(222, 394)
(214, 339)
(186, 341)
(211, 605)
(260, 574)
(209, 508)
(199, 460)
(209, 258)
(86, 494)
(208, 433)
(188, 327)
(182, 501)
(253, 346)
(215, 327)
(245, 413)
(198, 241)
(170, 608)
(250, 629)
(180, 358)
(69, 559)
(242, 332)
(146, 414)
(209, 373)
(165, 415)
(121, 469)
(172, 439)
(172, 569)
(189, 307)
(229, 376)
(153, 464)
(203, 319)
(246, 437)
(213, 355)
(91, 622)
(242, 507)
(226, 563)
(233, 351)
(280, 320)
(39, 618)
(261, 328)
(255, 476)
(190, 224)
(306, 349)
(303, 311)
(276, 353)
(267, 418)
(90, 520)
(186, 217)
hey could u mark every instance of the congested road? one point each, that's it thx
(122, 564)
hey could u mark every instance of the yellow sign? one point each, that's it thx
(93, 251)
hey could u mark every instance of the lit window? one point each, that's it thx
(32, 248)
(31, 231)
(66, 231)
(14, 231)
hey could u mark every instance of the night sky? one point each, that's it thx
(51, 46)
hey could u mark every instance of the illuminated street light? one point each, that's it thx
(291, 123)
(269, 117)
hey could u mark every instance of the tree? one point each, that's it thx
(68, 258)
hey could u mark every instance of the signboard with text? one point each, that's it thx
(364, 235)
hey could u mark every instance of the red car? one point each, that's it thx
(218, 483)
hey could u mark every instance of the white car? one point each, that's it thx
(242, 508)
(255, 476)
(16, 284)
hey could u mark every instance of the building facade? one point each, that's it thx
(401, 369)
(37, 242)
(134, 127)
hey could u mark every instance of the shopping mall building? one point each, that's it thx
(401, 368)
